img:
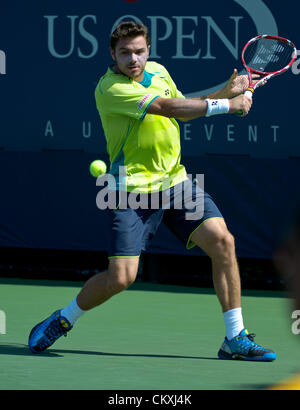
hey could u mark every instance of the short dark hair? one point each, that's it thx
(129, 29)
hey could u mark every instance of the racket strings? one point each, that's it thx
(268, 55)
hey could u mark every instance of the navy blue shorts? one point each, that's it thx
(132, 229)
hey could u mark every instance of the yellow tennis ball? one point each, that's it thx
(97, 168)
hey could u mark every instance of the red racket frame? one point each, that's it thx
(267, 75)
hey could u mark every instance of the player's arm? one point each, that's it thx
(219, 94)
(190, 108)
(222, 93)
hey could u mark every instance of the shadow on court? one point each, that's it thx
(23, 350)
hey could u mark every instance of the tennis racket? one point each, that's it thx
(267, 56)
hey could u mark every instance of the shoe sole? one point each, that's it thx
(267, 357)
(32, 331)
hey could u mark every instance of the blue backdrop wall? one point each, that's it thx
(51, 58)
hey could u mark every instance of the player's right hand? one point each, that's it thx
(240, 103)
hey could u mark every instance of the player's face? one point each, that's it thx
(130, 56)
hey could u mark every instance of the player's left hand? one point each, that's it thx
(238, 84)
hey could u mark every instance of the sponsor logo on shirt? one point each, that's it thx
(142, 102)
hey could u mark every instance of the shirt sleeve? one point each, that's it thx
(178, 94)
(124, 99)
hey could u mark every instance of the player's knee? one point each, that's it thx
(120, 281)
(125, 279)
(226, 242)
(122, 274)
(222, 243)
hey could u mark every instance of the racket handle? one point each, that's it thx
(248, 93)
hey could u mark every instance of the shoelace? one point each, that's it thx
(251, 336)
(254, 345)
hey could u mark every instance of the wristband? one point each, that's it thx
(215, 107)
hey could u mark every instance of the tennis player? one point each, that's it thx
(139, 106)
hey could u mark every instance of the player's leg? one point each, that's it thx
(207, 229)
(130, 232)
(126, 238)
(120, 275)
(217, 242)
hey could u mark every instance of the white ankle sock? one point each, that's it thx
(233, 322)
(72, 312)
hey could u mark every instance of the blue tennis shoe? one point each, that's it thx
(44, 334)
(243, 347)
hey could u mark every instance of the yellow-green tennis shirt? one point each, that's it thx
(147, 145)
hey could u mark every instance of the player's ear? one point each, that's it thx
(112, 52)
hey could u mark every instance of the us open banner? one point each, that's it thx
(52, 55)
